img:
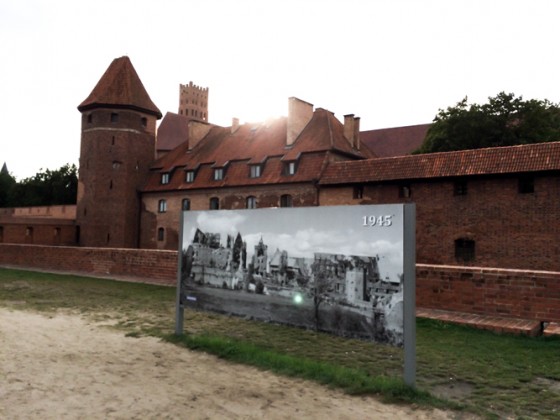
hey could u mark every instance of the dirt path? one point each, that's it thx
(64, 367)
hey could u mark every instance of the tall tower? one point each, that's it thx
(117, 149)
(193, 102)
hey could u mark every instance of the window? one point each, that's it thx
(290, 168)
(218, 174)
(1, 233)
(460, 188)
(405, 191)
(165, 178)
(189, 176)
(251, 202)
(186, 204)
(162, 206)
(114, 117)
(464, 250)
(358, 192)
(214, 203)
(90, 118)
(286, 200)
(144, 122)
(160, 234)
(255, 171)
(526, 184)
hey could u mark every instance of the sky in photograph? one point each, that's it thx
(302, 232)
(390, 62)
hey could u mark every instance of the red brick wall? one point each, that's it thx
(230, 198)
(485, 291)
(490, 291)
(513, 230)
(151, 266)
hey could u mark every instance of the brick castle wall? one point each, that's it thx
(485, 291)
(149, 266)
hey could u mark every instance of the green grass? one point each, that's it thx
(474, 370)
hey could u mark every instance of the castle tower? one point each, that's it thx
(117, 148)
(193, 102)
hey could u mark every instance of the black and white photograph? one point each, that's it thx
(335, 269)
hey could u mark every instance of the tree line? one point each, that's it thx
(506, 120)
(46, 188)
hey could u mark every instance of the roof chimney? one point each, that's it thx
(352, 130)
(197, 131)
(234, 124)
(299, 115)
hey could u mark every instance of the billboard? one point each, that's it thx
(339, 269)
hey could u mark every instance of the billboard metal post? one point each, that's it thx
(409, 294)
(179, 309)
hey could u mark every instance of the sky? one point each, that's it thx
(302, 232)
(389, 62)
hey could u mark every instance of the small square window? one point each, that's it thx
(286, 200)
(251, 202)
(214, 203)
(460, 188)
(358, 192)
(526, 184)
(405, 191)
(165, 178)
(189, 176)
(464, 250)
(255, 171)
(218, 174)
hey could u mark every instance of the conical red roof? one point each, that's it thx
(120, 87)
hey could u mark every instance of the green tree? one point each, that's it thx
(506, 120)
(7, 183)
(46, 188)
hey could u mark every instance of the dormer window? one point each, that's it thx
(189, 176)
(165, 178)
(218, 174)
(255, 171)
(290, 168)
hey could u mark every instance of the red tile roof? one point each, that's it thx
(172, 131)
(120, 87)
(497, 160)
(252, 144)
(397, 141)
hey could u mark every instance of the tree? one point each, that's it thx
(506, 120)
(46, 188)
(7, 182)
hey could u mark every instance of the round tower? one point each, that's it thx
(116, 151)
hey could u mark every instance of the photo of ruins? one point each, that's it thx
(278, 265)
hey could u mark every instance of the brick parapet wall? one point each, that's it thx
(490, 291)
(478, 290)
(150, 266)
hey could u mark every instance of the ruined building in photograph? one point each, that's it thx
(494, 207)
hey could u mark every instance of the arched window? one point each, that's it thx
(186, 204)
(214, 203)
(251, 202)
(286, 200)
(160, 234)
(162, 206)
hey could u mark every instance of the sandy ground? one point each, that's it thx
(64, 367)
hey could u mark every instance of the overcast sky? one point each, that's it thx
(302, 232)
(392, 62)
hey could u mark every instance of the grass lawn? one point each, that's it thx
(458, 367)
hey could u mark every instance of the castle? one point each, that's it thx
(493, 207)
